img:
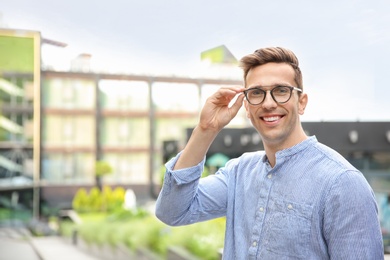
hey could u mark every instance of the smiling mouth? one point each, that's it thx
(271, 118)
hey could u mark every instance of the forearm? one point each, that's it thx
(196, 148)
(177, 194)
(186, 198)
(180, 199)
(177, 197)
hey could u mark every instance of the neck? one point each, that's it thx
(271, 148)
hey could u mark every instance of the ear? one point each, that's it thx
(303, 99)
(246, 108)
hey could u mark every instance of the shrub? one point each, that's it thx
(98, 201)
(80, 201)
(116, 199)
(95, 199)
(138, 229)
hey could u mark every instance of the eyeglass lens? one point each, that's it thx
(281, 94)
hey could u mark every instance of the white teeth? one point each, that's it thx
(270, 119)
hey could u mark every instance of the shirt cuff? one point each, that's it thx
(186, 175)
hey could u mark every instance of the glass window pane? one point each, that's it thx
(128, 168)
(126, 95)
(125, 131)
(69, 93)
(176, 97)
(68, 168)
(65, 130)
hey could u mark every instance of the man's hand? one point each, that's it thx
(216, 112)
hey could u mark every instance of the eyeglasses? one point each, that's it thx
(280, 94)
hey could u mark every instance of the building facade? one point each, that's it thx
(121, 119)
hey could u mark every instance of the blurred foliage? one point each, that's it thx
(105, 200)
(80, 201)
(140, 229)
(66, 228)
(102, 168)
(106, 222)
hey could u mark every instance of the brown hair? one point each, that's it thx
(272, 54)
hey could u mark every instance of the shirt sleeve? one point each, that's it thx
(351, 224)
(186, 198)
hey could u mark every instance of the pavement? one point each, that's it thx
(16, 243)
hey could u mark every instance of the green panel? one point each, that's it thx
(17, 54)
(215, 55)
(219, 54)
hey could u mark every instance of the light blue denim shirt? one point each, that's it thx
(311, 205)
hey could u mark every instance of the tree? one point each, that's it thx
(102, 168)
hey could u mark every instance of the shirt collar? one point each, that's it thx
(297, 148)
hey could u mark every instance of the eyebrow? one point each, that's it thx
(271, 86)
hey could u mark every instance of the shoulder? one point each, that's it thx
(345, 178)
(328, 158)
(331, 167)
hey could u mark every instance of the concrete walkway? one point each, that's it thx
(17, 244)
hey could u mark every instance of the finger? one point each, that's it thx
(227, 94)
(231, 89)
(235, 107)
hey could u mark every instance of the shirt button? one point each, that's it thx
(254, 243)
(289, 206)
(269, 176)
(261, 209)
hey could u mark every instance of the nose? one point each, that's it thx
(269, 103)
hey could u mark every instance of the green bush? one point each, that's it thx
(139, 229)
(116, 199)
(66, 228)
(105, 221)
(122, 214)
(80, 201)
(202, 239)
(95, 199)
(107, 200)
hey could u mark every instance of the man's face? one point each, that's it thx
(278, 124)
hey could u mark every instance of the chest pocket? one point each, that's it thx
(287, 230)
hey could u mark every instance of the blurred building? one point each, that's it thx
(54, 126)
(121, 119)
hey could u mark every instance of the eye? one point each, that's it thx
(256, 92)
(281, 90)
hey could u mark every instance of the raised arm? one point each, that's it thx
(181, 201)
(215, 115)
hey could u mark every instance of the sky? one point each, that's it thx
(343, 45)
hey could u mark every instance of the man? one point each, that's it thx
(298, 199)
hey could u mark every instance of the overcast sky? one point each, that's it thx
(343, 45)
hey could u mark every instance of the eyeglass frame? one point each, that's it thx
(291, 88)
